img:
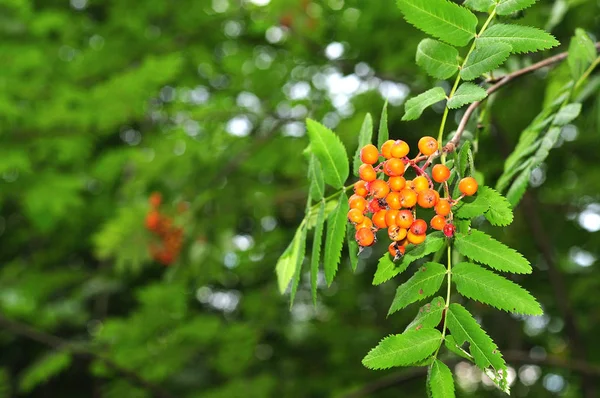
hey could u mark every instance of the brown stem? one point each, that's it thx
(58, 343)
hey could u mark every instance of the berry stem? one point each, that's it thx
(448, 292)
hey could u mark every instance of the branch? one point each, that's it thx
(58, 343)
(498, 83)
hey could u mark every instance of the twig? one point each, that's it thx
(58, 343)
(498, 83)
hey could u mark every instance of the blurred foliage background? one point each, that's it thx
(104, 102)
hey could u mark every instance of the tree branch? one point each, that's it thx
(58, 343)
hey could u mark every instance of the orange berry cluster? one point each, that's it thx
(390, 201)
(171, 237)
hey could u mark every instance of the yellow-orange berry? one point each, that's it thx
(427, 198)
(379, 219)
(357, 202)
(405, 219)
(391, 217)
(440, 173)
(396, 233)
(409, 184)
(468, 186)
(414, 238)
(369, 154)
(428, 145)
(355, 216)
(360, 188)
(366, 223)
(420, 183)
(393, 200)
(419, 227)
(396, 250)
(397, 183)
(386, 149)
(400, 149)
(366, 172)
(393, 167)
(365, 237)
(438, 222)
(442, 207)
(408, 198)
(373, 206)
(379, 189)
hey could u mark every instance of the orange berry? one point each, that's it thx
(397, 183)
(427, 198)
(428, 145)
(409, 184)
(379, 189)
(374, 206)
(405, 219)
(393, 200)
(366, 223)
(414, 238)
(408, 198)
(400, 149)
(393, 167)
(386, 149)
(365, 237)
(396, 233)
(360, 188)
(440, 173)
(369, 154)
(155, 199)
(419, 227)
(396, 250)
(366, 172)
(391, 216)
(442, 207)
(379, 219)
(468, 186)
(438, 222)
(357, 202)
(356, 216)
(420, 183)
(153, 220)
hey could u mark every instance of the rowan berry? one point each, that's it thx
(396, 250)
(379, 219)
(419, 227)
(394, 200)
(408, 198)
(428, 145)
(369, 154)
(365, 237)
(397, 183)
(396, 233)
(393, 167)
(357, 202)
(374, 206)
(420, 183)
(386, 149)
(355, 216)
(155, 199)
(442, 207)
(410, 184)
(391, 216)
(438, 222)
(414, 238)
(366, 223)
(360, 188)
(153, 220)
(427, 198)
(404, 219)
(468, 186)
(379, 189)
(449, 230)
(400, 149)
(366, 172)
(440, 173)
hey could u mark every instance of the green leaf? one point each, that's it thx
(364, 137)
(447, 21)
(485, 59)
(566, 114)
(507, 7)
(331, 153)
(299, 259)
(316, 251)
(287, 263)
(429, 315)
(383, 135)
(352, 248)
(522, 39)
(483, 285)
(485, 353)
(424, 283)
(500, 212)
(403, 349)
(465, 158)
(387, 269)
(415, 106)
(336, 232)
(315, 176)
(582, 53)
(311, 220)
(466, 94)
(44, 369)
(437, 59)
(484, 249)
(518, 187)
(439, 380)
(480, 5)
(470, 207)
(451, 345)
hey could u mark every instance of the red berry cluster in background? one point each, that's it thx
(389, 201)
(170, 236)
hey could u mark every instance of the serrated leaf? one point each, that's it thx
(429, 315)
(403, 349)
(522, 39)
(582, 53)
(298, 255)
(566, 114)
(383, 134)
(473, 206)
(330, 205)
(485, 353)
(519, 186)
(44, 369)
(439, 380)
(364, 137)
(500, 212)
(484, 249)
(437, 59)
(415, 106)
(547, 143)
(352, 248)
(483, 285)
(424, 283)
(315, 176)
(466, 94)
(480, 5)
(463, 159)
(447, 21)
(336, 232)
(387, 269)
(507, 7)
(287, 263)
(331, 153)
(316, 251)
(485, 59)
(451, 345)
